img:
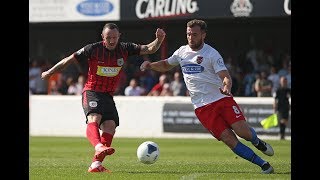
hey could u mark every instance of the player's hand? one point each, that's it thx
(160, 34)
(225, 91)
(145, 65)
(45, 75)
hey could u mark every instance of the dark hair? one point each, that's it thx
(110, 26)
(197, 22)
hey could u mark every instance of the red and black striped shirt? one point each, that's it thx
(105, 65)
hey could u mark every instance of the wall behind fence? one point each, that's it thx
(139, 116)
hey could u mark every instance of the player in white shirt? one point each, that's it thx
(209, 85)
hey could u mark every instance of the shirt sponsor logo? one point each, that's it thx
(108, 71)
(165, 8)
(192, 68)
(95, 7)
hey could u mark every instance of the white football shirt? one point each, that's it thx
(200, 70)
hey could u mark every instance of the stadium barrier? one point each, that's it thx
(140, 116)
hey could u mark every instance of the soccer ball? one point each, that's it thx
(148, 152)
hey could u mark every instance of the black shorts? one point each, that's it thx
(283, 114)
(100, 103)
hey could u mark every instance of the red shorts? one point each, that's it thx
(219, 115)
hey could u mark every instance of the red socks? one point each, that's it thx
(93, 133)
(106, 139)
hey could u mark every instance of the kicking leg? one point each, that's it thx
(246, 132)
(229, 138)
(261, 145)
(93, 135)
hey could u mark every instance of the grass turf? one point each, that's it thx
(69, 158)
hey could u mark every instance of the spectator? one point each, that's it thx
(166, 90)
(80, 84)
(148, 79)
(41, 86)
(274, 78)
(34, 73)
(72, 89)
(62, 84)
(263, 86)
(284, 68)
(178, 86)
(288, 76)
(53, 82)
(157, 88)
(53, 88)
(252, 54)
(248, 83)
(134, 89)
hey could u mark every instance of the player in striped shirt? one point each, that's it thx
(105, 60)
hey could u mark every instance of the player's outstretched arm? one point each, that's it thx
(58, 67)
(160, 66)
(154, 45)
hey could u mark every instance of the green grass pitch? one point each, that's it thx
(68, 158)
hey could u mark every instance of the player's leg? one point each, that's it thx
(222, 131)
(283, 125)
(91, 106)
(92, 103)
(108, 126)
(92, 130)
(283, 115)
(102, 149)
(234, 119)
(243, 130)
(93, 135)
(108, 130)
(106, 138)
(230, 139)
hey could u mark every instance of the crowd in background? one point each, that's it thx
(257, 76)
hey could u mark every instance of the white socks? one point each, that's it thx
(95, 164)
(98, 146)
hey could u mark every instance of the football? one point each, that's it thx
(148, 152)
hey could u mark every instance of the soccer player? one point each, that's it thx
(209, 84)
(105, 60)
